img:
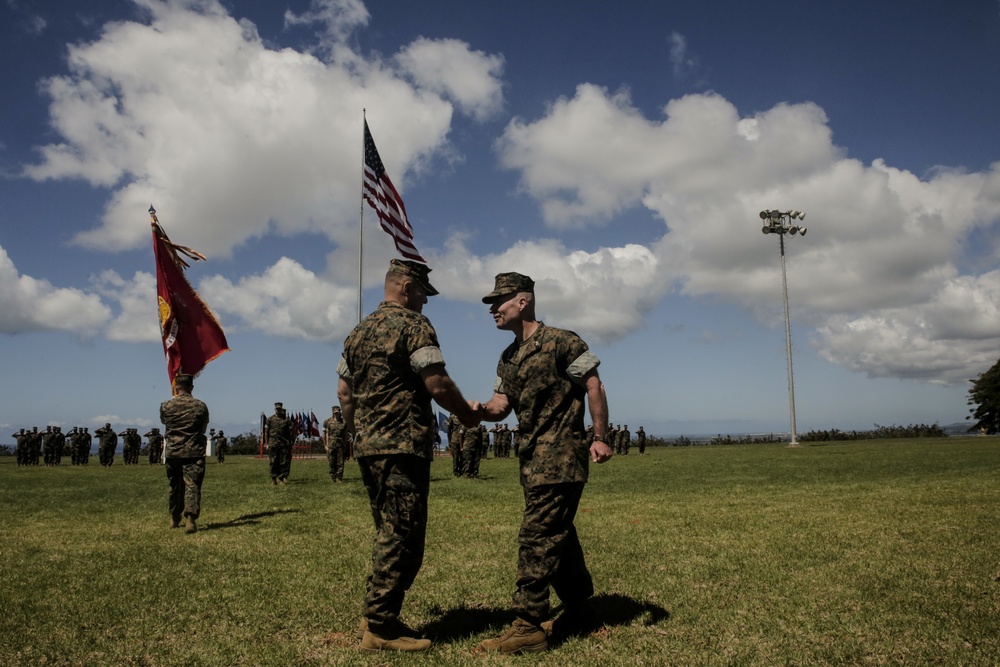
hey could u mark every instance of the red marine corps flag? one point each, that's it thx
(191, 335)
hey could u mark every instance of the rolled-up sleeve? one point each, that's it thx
(582, 365)
(425, 357)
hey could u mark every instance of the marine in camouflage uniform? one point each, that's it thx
(640, 440)
(84, 443)
(546, 375)
(154, 445)
(70, 446)
(221, 446)
(456, 435)
(185, 420)
(506, 436)
(279, 435)
(60, 445)
(391, 368)
(107, 443)
(625, 438)
(48, 446)
(131, 444)
(472, 449)
(335, 443)
(34, 446)
(21, 450)
(126, 446)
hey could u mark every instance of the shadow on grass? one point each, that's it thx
(246, 520)
(615, 609)
(463, 622)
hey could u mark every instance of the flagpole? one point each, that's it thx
(361, 219)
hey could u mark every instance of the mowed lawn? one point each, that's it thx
(866, 553)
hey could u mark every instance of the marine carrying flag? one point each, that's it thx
(381, 195)
(191, 335)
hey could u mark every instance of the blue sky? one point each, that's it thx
(618, 153)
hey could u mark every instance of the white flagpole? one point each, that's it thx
(361, 221)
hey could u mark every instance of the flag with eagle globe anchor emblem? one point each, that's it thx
(191, 335)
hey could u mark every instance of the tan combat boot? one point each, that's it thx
(396, 637)
(521, 637)
(190, 526)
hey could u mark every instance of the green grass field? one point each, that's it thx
(869, 553)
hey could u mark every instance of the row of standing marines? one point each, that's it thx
(467, 446)
(470, 445)
(52, 445)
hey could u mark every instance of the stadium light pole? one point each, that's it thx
(780, 223)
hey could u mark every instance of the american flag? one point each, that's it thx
(381, 195)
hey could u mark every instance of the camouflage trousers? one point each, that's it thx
(335, 458)
(549, 552)
(280, 458)
(398, 486)
(470, 460)
(456, 456)
(185, 476)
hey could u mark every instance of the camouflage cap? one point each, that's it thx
(509, 283)
(415, 270)
(278, 406)
(184, 378)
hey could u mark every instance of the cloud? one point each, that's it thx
(30, 304)
(452, 69)
(603, 295)
(233, 140)
(948, 339)
(286, 300)
(680, 59)
(880, 261)
(339, 18)
(30, 22)
(136, 321)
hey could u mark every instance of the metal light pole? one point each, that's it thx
(779, 222)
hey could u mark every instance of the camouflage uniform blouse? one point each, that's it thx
(185, 419)
(542, 377)
(336, 434)
(383, 358)
(280, 432)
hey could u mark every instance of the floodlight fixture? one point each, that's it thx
(779, 222)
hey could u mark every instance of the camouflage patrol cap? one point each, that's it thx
(279, 406)
(509, 283)
(415, 270)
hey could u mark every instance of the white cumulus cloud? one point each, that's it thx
(232, 139)
(32, 304)
(286, 300)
